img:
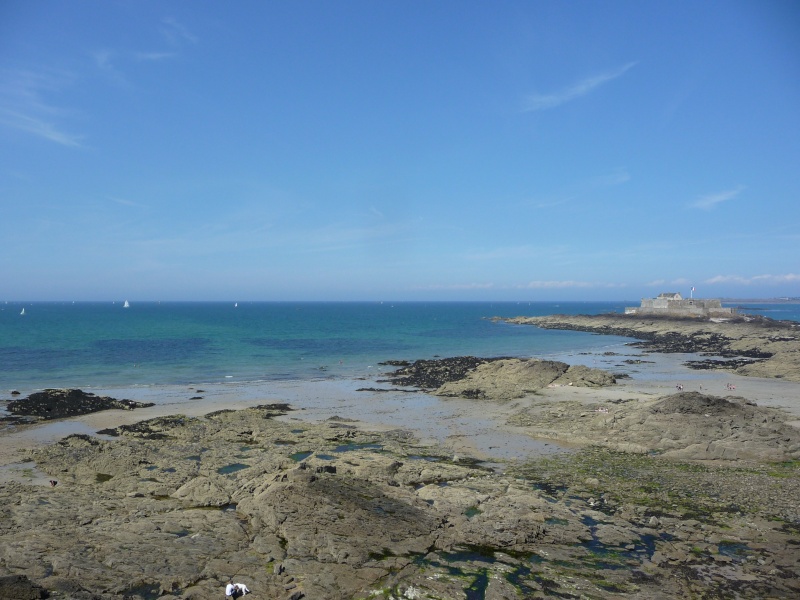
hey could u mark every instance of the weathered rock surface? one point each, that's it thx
(771, 347)
(495, 378)
(175, 506)
(62, 403)
(432, 374)
(687, 425)
(19, 587)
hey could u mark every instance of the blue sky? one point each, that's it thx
(399, 150)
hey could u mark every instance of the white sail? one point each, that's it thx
(126, 305)
(23, 312)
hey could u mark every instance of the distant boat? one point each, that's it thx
(126, 305)
(235, 305)
(22, 313)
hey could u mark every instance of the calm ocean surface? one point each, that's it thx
(148, 344)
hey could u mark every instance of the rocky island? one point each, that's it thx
(749, 345)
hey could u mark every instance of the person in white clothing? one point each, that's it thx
(230, 590)
(235, 590)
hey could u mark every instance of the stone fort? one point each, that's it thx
(673, 304)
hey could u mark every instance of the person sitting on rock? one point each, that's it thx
(231, 591)
(235, 590)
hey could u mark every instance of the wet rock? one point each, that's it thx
(62, 403)
(496, 378)
(340, 514)
(19, 587)
(755, 346)
(431, 374)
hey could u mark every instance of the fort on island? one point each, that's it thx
(674, 305)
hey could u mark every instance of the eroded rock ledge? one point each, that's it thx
(495, 378)
(686, 426)
(754, 346)
(175, 506)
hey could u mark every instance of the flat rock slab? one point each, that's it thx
(686, 426)
(180, 505)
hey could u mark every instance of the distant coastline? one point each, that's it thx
(792, 300)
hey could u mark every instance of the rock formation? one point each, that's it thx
(176, 506)
(61, 403)
(687, 425)
(495, 378)
(771, 348)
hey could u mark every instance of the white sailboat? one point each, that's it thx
(126, 305)
(235, 305)
(22, 314)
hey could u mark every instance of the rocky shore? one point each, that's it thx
(173, 507)
(673, 495)
(754, 346)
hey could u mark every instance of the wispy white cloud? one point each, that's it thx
(581, 88)
(38, 127)
(251, 231)
(755, 280)
(542, 204)
(104, 59)
(617, 177)
(154, 56)
(125, 202)
(25, 104)
(710, 201)
(456, 286)
(524, 252)
(546, 285)
(580, 189)
(176, 33)
(672, 282)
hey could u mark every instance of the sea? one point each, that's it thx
(106, 344)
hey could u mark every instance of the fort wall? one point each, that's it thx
(675, 305)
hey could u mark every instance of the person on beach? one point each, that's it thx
(235, 590)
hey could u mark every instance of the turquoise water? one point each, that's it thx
(150, 343)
